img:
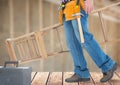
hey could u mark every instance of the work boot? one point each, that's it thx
(109, 74)
(76, 78)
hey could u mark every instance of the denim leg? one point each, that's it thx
(76, 51)
(102, 60)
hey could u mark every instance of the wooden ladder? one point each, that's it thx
(31, 46)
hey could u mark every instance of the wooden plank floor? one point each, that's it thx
(58, 78)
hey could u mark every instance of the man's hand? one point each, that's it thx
(89, 6)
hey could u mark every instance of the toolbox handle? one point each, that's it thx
(11, 62)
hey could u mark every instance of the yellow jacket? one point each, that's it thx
(70, 9)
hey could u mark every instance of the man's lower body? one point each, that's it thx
(103, 61)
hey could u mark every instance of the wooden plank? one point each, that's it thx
(27, 16)
(96, 76)
(40, 78)
(67, 75)
(22, 36)
(55, 78)
(36, 46)
(111, 41)
(115, 80)
(22, 50)
(50, 27)
(33, 75)
(29, 60)
(106, 7)
(11, 50)
(19, 51)
(11, 18)
(40, 13)
(57, 53)
(52, 36)
(30, 43)
(59, 39)
(102, 26)
(40, 44)
(28, 53)
(118, 74)
(30, 49)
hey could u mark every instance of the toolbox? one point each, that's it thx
(14, 75)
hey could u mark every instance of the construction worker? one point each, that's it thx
(102, 60)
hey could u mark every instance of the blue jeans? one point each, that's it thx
(103, 61)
